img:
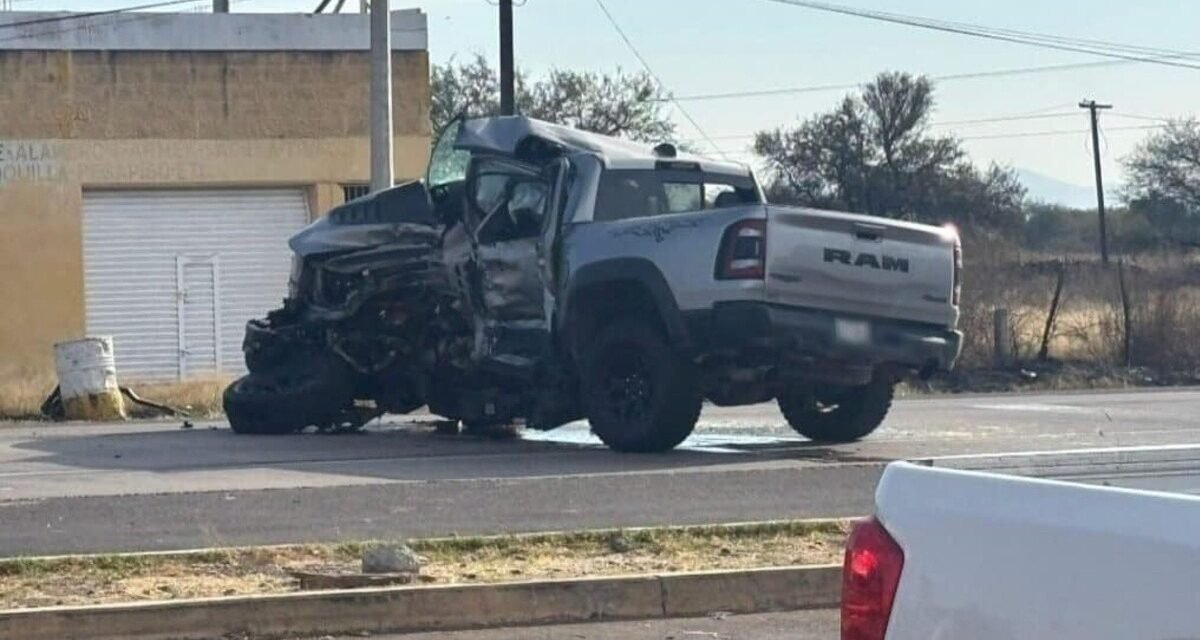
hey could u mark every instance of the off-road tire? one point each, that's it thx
(288, 398)
(640, 395)
(858, 411)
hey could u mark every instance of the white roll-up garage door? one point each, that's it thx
(173, 276)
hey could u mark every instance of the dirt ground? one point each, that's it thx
(35, 582)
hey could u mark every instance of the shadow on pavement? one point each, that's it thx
(402, 449)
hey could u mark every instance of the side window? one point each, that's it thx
(623, 195)
(490, 192)
(507, 203)
(718, 195)
(683, 196)
(641, 193)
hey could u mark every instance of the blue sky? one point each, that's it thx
(714, 46)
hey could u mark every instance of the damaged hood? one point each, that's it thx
(326, 236)
(402, 213)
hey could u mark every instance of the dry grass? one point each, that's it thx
(22, 394)
(200, 398)
(107, 579)
(1164, 295)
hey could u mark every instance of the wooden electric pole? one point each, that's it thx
(507, 78)
(1094, 110)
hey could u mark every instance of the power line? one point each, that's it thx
(1024, 134)
(662, 86)
(1134, 116)
(995, 73)
(93, 14)
(131, 17)
(1057, 132)
(1044, 116)
(948, 123)
(1033, 35)
(1036, 40)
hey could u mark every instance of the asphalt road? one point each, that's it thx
(141, 486)
(797, 625)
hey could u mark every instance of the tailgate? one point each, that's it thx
(860, 265)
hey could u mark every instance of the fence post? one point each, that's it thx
(1001, 338)
(1126, 329)
(1044, 352)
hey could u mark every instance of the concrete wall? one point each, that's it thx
(237, 31)
(70, 120)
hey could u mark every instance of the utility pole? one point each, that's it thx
(507, 82)
(1094, 109)
(381, 96)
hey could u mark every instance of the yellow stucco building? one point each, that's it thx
(152, 167)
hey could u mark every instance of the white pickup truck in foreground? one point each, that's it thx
(964, 555)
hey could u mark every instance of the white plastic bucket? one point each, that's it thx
(87, 379)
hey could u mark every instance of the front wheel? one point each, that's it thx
(289, 397)
(829, 413)
(637, 392)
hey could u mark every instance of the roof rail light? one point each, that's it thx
(666, 150)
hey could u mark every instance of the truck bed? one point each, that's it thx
(990, 556)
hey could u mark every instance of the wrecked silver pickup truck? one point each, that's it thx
(544, 274)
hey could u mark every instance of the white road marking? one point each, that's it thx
(1042, 408)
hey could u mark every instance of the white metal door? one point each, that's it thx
(197, 282)
(132, 241)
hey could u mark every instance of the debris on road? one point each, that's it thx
(390, 558)
(87, 380)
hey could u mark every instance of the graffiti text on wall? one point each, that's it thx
(28, 161)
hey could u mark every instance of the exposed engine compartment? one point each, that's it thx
(400, 300)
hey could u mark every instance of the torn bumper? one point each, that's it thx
(828, 336)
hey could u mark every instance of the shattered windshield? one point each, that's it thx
(447, 164)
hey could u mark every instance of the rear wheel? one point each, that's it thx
(637, 392)
(289, 397)
(830, 413)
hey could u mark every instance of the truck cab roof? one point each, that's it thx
(506, 134)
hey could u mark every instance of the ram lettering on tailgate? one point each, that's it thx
(868, 260)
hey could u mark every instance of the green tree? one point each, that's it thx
(1164, 181)
(629, 105)
(874, 153)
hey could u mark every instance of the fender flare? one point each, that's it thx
(640, 272)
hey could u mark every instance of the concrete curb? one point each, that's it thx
(437, 608)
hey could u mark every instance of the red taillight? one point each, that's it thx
(743, 254)
(870, 575)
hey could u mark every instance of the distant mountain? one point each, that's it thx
(1054, 191)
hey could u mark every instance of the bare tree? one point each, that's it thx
(873, 153)
(629, 105)
(1164, 181)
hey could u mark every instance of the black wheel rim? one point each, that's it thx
(628, 386)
